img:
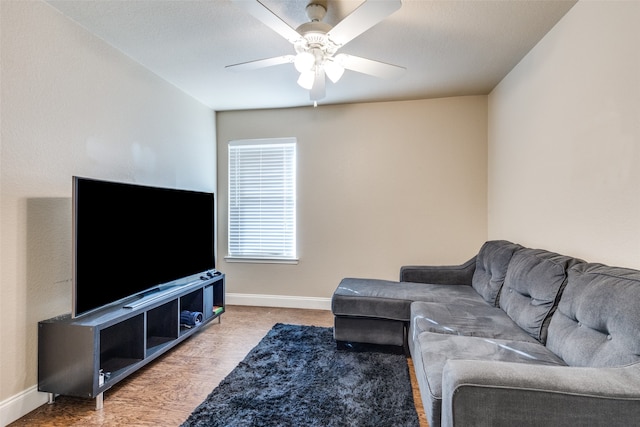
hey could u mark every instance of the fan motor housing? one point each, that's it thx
(314, 35)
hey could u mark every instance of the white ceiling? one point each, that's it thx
(449, 48)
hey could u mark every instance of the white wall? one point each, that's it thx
(564, 139)
(72, 105)
(380, 185)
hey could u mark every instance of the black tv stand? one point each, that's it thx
(87, 355)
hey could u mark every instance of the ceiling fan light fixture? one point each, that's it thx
(316, 42)
(333, 70)
(304, 61)
(306, 79)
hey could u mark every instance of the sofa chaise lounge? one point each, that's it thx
(514, 336)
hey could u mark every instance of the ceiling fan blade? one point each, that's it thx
(360, 20)
(270, 19)
(261, 63)
(318, 90)
(369, 66)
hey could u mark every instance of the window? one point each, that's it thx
(262, 199)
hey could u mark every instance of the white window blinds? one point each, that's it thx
(262, 198)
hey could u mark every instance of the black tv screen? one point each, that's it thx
(129, 239)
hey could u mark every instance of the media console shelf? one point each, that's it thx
(87, 355)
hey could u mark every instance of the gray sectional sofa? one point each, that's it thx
(514, 336)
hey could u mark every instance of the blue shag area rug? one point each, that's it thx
(296, 376)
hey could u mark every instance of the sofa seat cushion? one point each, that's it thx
(532, 287)
(432, 351)
(477, 320)
(597, 323)
(387, 299)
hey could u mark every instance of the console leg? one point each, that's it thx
(51, 398)
(99, 401)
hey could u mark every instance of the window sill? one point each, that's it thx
(261, 260)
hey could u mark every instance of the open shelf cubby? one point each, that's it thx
(162, 326)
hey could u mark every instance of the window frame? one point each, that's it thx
(288, 187)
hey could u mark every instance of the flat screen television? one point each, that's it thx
(129, 240)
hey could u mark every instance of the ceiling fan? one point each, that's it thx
(316, 43)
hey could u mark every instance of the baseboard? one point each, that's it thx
(278, 301)
(21, 404)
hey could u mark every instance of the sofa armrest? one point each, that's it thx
(502, 394)
(439, 275)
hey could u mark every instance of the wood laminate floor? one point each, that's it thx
(167, 390)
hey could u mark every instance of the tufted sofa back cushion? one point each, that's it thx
(534, 282)
(491, 267)
(597, 323)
